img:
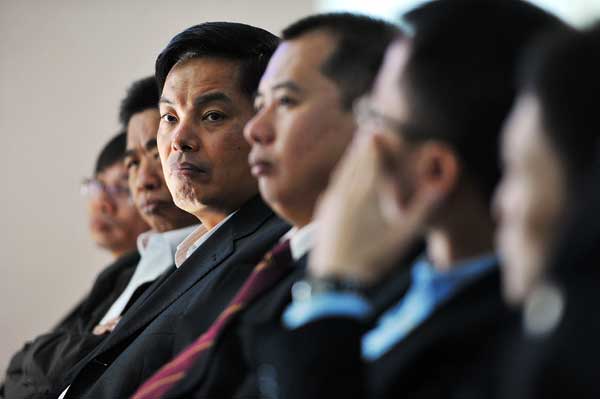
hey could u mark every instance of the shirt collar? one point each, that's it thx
(170, 239)
(195, 239)
(301, 239)
(425, 274)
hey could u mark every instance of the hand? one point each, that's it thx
(363, 228)
(107, 327)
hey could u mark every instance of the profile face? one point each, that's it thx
(529, 200)
(301, 129)
(114, 221)
(200, 137)
(146, 181)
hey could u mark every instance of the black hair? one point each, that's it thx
(460, 76)
(563, 76)
(141, 95)
(361, 44)
(252, 47)
(113, 152)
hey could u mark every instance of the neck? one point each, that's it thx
(117, 253)
(296, 216)
(211, 217)
(455, 242)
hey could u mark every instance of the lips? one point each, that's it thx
(100, 224)
(188, 169)
(260, 166)
(151, 205)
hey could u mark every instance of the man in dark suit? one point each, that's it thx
(548, 226)
(206, 76)
(114, 225)
(427, 167)
(295, 146)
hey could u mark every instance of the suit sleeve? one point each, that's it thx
(37, 368)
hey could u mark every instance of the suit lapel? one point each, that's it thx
(219, 246)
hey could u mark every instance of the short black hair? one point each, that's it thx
(141, 95)
(562, 74)
(460, 75)
(252, 47)
(113, 152)
(360, 47)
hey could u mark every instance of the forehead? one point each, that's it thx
(523, 127)
(299, 59)
(142, 128)
(388, 93)
(197, 76)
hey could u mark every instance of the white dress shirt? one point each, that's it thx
(301, 239)
(157, 251)
(194, 239)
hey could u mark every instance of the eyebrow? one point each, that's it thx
(288, 84)
(207, 98)
(150, 145)
(165, 100)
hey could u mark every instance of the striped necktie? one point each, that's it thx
(269, 271)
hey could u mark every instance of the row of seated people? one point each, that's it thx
(359, 209)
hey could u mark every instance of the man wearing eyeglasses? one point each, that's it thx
(114, 221)
(115, 225)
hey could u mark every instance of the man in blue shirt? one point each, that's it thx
(423, 165)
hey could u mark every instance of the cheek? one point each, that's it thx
(229, 152)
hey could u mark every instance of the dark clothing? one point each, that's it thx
(37, 368)
(562, 362)
(453, 354)
(152, 332)
(227, 368)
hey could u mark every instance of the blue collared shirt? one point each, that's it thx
(429, 288)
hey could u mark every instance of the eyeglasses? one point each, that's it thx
(92, 187)
(366, 115)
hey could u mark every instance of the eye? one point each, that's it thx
(258, 105)
(169, 118)
(130, 163)
(213, 116)
(286, 101)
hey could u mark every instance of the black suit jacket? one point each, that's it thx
(37, 368)
(227, 370)
(560, 361)
(453, 354)
(149, 334)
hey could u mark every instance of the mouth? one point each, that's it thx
(101, 224)
(151, 206)
(260, 167)
(188, 169)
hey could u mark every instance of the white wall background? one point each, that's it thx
(577, 12)
(64, 67)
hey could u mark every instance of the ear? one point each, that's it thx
(437, 169)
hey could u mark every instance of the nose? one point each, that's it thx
(259, 129)
(148, 177)
(184, 139)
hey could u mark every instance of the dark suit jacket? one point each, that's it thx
(228, 367)
(561, 362)
(453, 354)
(148, 335)
(38, 366)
